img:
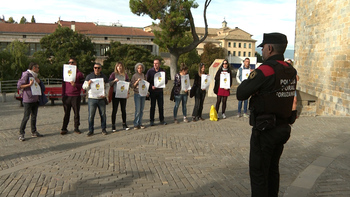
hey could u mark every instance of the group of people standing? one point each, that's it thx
(271, 89)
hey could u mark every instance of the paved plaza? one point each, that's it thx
(202, 158)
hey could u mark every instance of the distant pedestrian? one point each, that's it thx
(222, 93)
(96, 101)
(71, 98)
(30, 101)
(139, 100)
(156, 94)
(119, 74)
(199, 94)
(180, 95)
(240, 78)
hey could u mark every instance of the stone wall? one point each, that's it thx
(322, 53)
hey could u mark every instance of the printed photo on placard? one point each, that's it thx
(225, 80)
(185, 82)
(205, 81)
(159, 80)
(69, 72)
(143, 87)
(35, 87)
(97, 87)
(122, 89)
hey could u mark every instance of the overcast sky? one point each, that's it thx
(253, 16)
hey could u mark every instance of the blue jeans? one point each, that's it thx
(139, 106)
(101, 105)
(30, 109)
(178, 99)
(240, 106)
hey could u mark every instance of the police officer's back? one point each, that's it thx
(271, 87)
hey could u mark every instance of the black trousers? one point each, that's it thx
(266, 148)
(157, 98)
(115, 102)
(198, 103)
(70, 102)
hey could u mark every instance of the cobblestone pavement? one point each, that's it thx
(202, 158)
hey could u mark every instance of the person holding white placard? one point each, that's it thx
(180, 95)
(242, 74)
(222, 93)
(156, 94)
(199, 94)
(30, 101)
(96, 101)
(138, 83)
(118, 75)
(71, 99)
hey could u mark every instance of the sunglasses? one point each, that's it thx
(71, 62)
(225, 63)
(97, 67)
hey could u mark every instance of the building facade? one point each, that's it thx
(101, 35)
(322, 55)
(236, 42)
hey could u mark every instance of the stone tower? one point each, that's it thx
(322, 54)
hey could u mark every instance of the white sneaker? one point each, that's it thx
(239, 115)
(245, 115)
(185, 119)
(223, 116)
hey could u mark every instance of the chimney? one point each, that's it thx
(72, 26)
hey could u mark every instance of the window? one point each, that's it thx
(244, 54)
(101, 49)
(239, 53)
(106, 38)
(250, 45)
(229, 53)
(249, 54)
(3, 45)
(234, 53)
(245, 45)
(24, 36)
(229, 44)
(234, 44)
(239, 45)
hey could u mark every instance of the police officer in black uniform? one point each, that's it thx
(271, 87)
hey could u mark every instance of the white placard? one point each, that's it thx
(245, 74)
(205, 81)
(35, 87)
(143, 87)
(122, 89)
(225, 80)
(159, 80)
(69, 72)
(97, 87)
(185, 82)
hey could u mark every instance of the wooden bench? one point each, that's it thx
(52, 93)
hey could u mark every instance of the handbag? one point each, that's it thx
(110, 94)
(172, 94)
(213, 114)
(193, 91)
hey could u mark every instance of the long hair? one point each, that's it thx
(122, 72)
(200, 69)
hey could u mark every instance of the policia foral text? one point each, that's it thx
(271, 87)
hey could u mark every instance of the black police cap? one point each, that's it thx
(274, 38)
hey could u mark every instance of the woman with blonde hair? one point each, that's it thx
(199, 94)
(119, 74)
(139, 100)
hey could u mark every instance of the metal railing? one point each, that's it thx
(10, 86)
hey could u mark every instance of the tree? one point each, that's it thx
(212, 52)
(11, 20)
(129, 55)
(33, 19)
(63, 44)
(23, 20)
(14, 60)
(191, 59)
(175, 19)
(259, 57)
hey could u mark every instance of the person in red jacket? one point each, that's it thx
(71, 99)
